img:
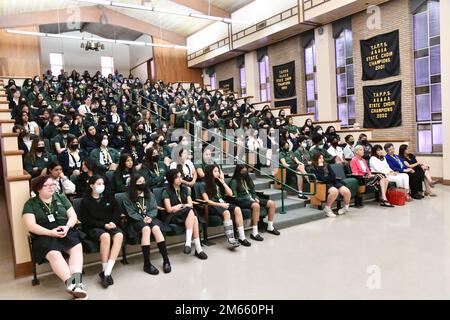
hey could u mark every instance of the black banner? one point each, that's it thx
(383, 105)
(226, 85)
(380, 56)
(284, 80)
(287, 103)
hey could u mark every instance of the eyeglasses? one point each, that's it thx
(49, 185)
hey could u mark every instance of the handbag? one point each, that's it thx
(396, 197)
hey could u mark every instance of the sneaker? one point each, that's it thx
(232, 244)
(78, 291)
(342, 211)
(329, 213)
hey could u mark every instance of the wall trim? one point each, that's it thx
(23, 269)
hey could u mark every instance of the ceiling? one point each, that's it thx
(181, 25)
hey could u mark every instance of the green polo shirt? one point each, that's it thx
(154, 177)
(40, 211)
(171, 194)
(288, 156)
(244, 191)
(303, 157)
(220, 194)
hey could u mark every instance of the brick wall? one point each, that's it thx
(284, 52)
(395, 15)
(226, 70)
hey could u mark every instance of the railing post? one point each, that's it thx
(282, 193)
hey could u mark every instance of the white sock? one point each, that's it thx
(188, 237)
(198, 245)
(270, 226)
(327, 208)
(104, 266)
(109, 267)
(241, 233)
(347, 206)
(255, 230)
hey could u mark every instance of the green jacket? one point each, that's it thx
(288, 156)
(95, 155)
(133, 211)
(154, 178)
(326, 155)
(40, 162)
(304, 156)
(244, 192)
(122, 180)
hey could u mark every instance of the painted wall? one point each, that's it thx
(141, 54)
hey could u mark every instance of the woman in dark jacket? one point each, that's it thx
(71, 157)
(135, 149)
(122, 175)
(100, 219)
(89, 141)
(325, 174)
(117, 139)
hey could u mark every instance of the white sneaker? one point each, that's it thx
(342, 211)
(78, 291)
(329, 213)
(233, 244)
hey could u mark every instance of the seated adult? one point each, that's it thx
(378, 163)
(71, 157)
(105, 158)
(245, 197)
(100, 219)
(122, 176)
(153, 169)
(324, 173)
(37, 160)
(186, 167)
(411, 162)
(180, 210)
(141, 210)
(397, 164)
(63, 185)
(362, 141)
(289, 161)
(360, 168)
(50, 218)
(349, 150)
(214, 190)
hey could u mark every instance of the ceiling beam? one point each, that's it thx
(89, 14)
(202, 6)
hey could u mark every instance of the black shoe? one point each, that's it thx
(386, 204)
(109, 279)
(201, 255)
(166, 267)
(104, 282)
(302, 196)
(416, 196)
(102, 275)
(245, 243)
(274, 231)
(257, 237)
(187, 250)
(151, 269)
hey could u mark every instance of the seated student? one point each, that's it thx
(378, 163)
(318, 147)
(141, 210)
(397, 164)
(141, 135)
(30, 126)
(71, 157)
(153, 169)
(117, 139)
(360, 168)
(207, 160)
(179, 210)
(122, 175)
(186, 167)
(88, 169)
(135, 149)
(36, 161)
(246, 198)
(100, 219)
(330, 134)
(113, 118)
(50, 218)
(51, 130)
(290, 161)
(214, 189)
(105, 158)
(325, 174)
(411, 162)
(334, 149)
(63, 185)
(21, 145)
(302, 153)
(89, 141)
(60, 141)
(76, 126)
(349, 150)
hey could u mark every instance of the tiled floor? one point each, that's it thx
(373, 253)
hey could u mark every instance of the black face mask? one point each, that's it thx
(40, 149)
(161, 143)
(140, 130)
(65, 131)
(155, 158)
(134, 143)
(141, 187)
(74, 146)
(120, 133)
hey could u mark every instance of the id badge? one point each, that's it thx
(51, 218)
(221, 200)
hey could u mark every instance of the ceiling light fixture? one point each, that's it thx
(62, 36)
(178, 13)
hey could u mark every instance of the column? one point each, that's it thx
(445, 85)
(326, 73)
(252, 76)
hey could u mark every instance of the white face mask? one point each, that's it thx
(105, 142)
(184, 142)
(100, 189)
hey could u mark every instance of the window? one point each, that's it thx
(345, 79)
(311, 79)
(107, 66)
(427, 54)
(243, 81)
(56, 63)
(264, 78)
(213, 81)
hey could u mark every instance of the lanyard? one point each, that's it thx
(218, 194)
(157, 169)
(50, 209)
(178, 195)
(142, 207)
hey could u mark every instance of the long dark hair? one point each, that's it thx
(210, 181)
(133, 192)
(315, 162)
(238, 177)
(93, 180)
(123, 158)
(375, 148)
(401, 150)
(148, 159)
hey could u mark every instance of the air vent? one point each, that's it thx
(261, 25)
